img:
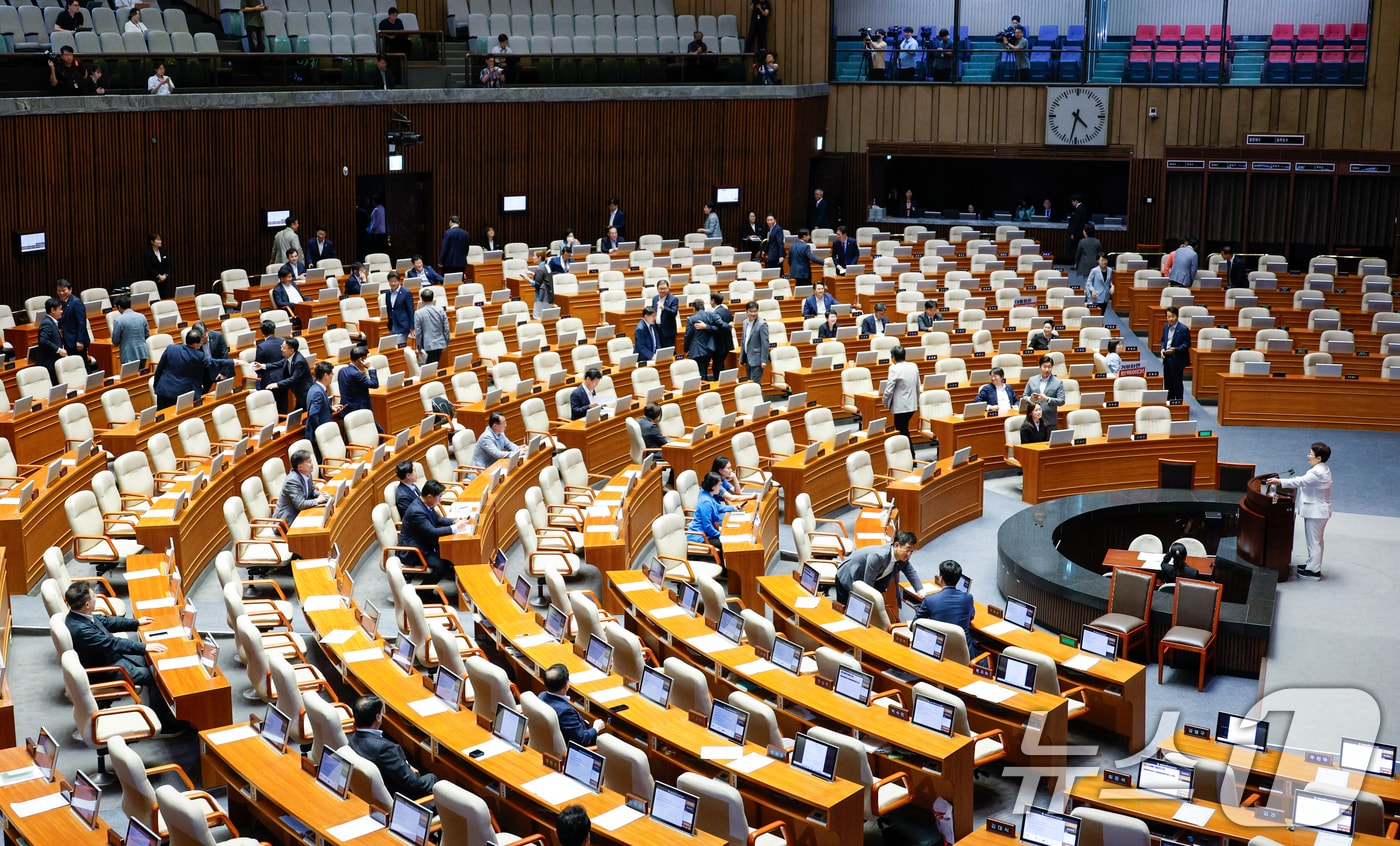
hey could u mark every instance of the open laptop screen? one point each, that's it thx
(448, 687)
(728, 722)
(1016, 673)
(674, 807)
(410, 820)
(814, 756)
(1047, 828)
(599, 655)
(584, 766)
(655, 686)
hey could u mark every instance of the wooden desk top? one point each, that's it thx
(1100, 465)
(1232, 823)
(1307, 402)
(1128, 558)
(741, 661)
(672, 726)
(59, 825)
(1277, 763)
(25, 533)
(825, 478)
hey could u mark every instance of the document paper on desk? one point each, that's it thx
(611, 694)
(1001, 629)
(358, 827)
(1081, 662)
(721, 753)
(628, 587)
(988, 691)
(616, 818)
(177, 663)
(369, 654)
(430, 706)
(711, 643)
(30, 807)
(338, 636)
(751, 763)
(160, 602)
(20, 775)
(324, 602)
(494, 746)
(667, 611)
(148, 573)
(806, 602)
(1328, 775)
(1197, 815)
(556, 788)
(758, 665)
(531, 641)
(311, 563)
(841, 625)
(219, 738)
(586, 676)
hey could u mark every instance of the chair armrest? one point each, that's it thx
(133, 497)
(273, 641)
(97, 580)
(826, 528)
(270, 523)
(548, 555)
(435, 590)
(171, 768)
(268, 583)
(984, 657)
(898, 778)
(572, 513)
(891, 693)
(1079, 689)
(125, 682)
(126, 709)
(192, 463)
(103, 540)
(268, 618)
(239, 546)
(421, 567)
(576, 490)
(690, 573)
(596, 477)
(768, 829)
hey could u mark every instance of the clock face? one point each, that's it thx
(1077, 116)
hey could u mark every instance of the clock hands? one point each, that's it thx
(1078, 119)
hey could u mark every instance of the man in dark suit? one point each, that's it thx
(319, 406)
(819, 302)
(800, 258)
(294, 264)
(1077, 218)
(994, 392)
(646, 338)
(407, 491)
(295, 380)
(1237, 275)
(722, 334)
(844, 250)
(96, 647)
(949, 605)
(556, 696)
(423, 527)
(819, 210)
(699, 336)
(285, 293)
(560, 263)
(356, 380)
(49, 348)
(452, 255)
(298, 489)
(774, 256)
(320, 247)
(1175, 351)
(183, 368)
(73, 322)
(668, 309)
(269, 355)
(877, 323)
(610, 242)
(398, 305)
(585, 396)
(876, 565)
(929, 316)
(215, 344)
(617, 219)
(369, 743)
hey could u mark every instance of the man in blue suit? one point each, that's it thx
(183, 368)
(844, 251)
(49, 348)
(422, 529)
(295, 381)
(96, 647)
(398, 308)
(1175, 351)
(699, 340)
(800, 258)
(269, 355)
(996, 393)
(369, 742)
(616, 218)
(877, 323)
(571, 724)
(819, 302)
(452, 255)
(74, 321)
(668, 308)
(407, 490)
(319, 406)
(285, 293)
(646, 337)
(775, 243)
(949, 605)
(356, 380)
(320, 247)
(585, 396)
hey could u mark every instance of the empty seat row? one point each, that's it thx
(325, 7)
(1334, 35)
(299, 24)
(321, 44)
(1306, 65)
(607, 44)
(1191, 35)
(645, 26)
(153, 43)
(1164, 64)
(567, 7)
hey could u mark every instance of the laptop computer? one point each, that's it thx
(674, 807)
(410, 821)
(814, 757)
(599, 654)
(728, 722)
(584, 766)
(731, 626)
(85, 799)
(509, 726)
(333, 772)
(655, 686)
(1234, 730)
(932, 715)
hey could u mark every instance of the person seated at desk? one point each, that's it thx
(1113, 360)
(571, 724)
(876, 565)
(609, 243)
(651, 430)
(729, 481)
(493, 444)
(645, 338)
(709, 514)
(295, 381)
(877, 323)
(356, 380)
(819, 302)
(421, 270)
(1025, 211)
(398, 308)
(828, 330)
(320, 408)
(369, 742)
(574, 828)
(294, 264)
(298, 489)
(183, 369)
(585, 396)
(1034, 430)
(355, 282)
(1040, 341)
(49, 348)
(948, 604)
(1174, 565)
(285, 293)
(96, 647)
(996, 393)
(422, 529)
(407, 491)
(929, 316)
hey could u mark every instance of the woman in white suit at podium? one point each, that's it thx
(1314, 504)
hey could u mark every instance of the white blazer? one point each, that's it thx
(1314, 491)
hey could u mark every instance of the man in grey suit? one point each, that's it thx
(130, 331)
(1184, 264)
(876, 565)
(755, 343)
(493, 445)
(430, 330)
(285, 241)
(1046, 389)
(298, 489)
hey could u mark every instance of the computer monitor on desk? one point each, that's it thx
(137, 834)
(584, 766)
(933, 715)
(1015, 672)
(728, 722)
(787, 655)
(1323, 812)
(46, 754)
(1165, 778)
(814, 757)
(928, 641)
(333, 772)
(410, 821)
(1099, 642)
(854, 685)
(1373, 758)
(85, 799)
(1235, 730)
(1047, 828)
(858, 610)
(674, 807)
(275, 727)
(655, 686)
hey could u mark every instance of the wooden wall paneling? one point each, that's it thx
(1382, 76)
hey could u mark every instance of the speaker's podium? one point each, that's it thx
(1266, 527)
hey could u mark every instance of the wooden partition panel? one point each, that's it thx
(97, 183)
